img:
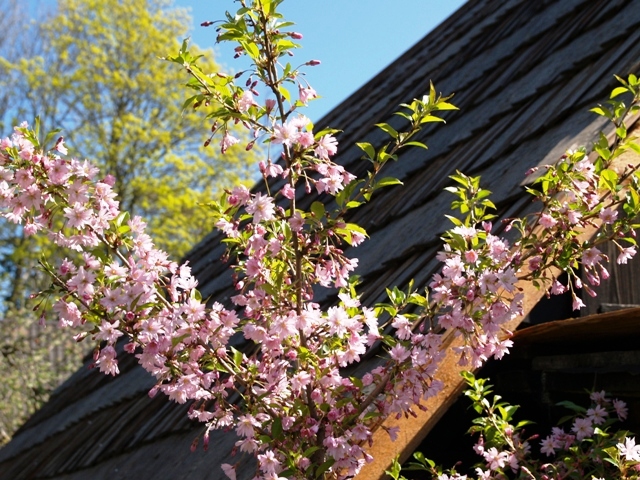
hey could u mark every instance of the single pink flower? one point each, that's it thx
(583, 428)
(60, 146)
(608, 216)
(228, 141)
(625, 255)
(261, 207)
(577, 303)
(229, 471)
(327, 147)
(107, 361)
(306, 94)
(547, 221)
(591, 257)
(288, 192)
(286, 134)
(246, 101)
(621, 409)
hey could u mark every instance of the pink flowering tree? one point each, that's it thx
(271, 364)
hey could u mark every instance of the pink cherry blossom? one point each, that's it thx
(286, 134)
(246, 101)
(621, 409)
(583, 428)
(608, 215)
(227, 141)
(78, 216)
(288, 192)
(591, 257)
(107, 361)
(229, 471)
(629, 449)
(280, 260)
(625, 255)
(306, 94)
(547, 221)
(327, 146)
(60, 146)
(261, 207)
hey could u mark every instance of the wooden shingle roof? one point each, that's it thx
(524, 74)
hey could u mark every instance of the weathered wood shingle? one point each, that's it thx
(524, 74)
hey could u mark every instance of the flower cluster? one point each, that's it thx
(271, 364)
(578, 194)
(477, 291)
(584, 424)
(591, 450)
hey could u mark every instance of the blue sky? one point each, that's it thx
(354, 39)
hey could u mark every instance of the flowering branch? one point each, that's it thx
(589, 450)
(275, 348)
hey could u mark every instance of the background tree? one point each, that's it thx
(93, 68)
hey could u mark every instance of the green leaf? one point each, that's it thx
(347, 191)
(599, 431)
(461, 179)
(572, 406)
(446, 106)
(524, 423)
(416, 144)
(600, 110)
(285, 93)
(196, 295)
(431, 118)
(50, 136)
(454, 220)
(354, 227)
(251, 48)
(387, 181)
(310, 451)
(324, 467)
(608, 180)
(326, 131)
(488, 203)
(634, 146)
(285, 44)
(276, 429)
(317, 208)
(357, 382)
(368, 149)
(394, 469)
(237, 357)
(266, 6)
(384, 156)
(123, 217)
(618, 91)
(419, 456)
(388, 129)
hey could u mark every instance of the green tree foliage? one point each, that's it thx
(33, 362)
(94, 69)
(99, 78)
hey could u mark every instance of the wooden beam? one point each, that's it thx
(414, 429)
